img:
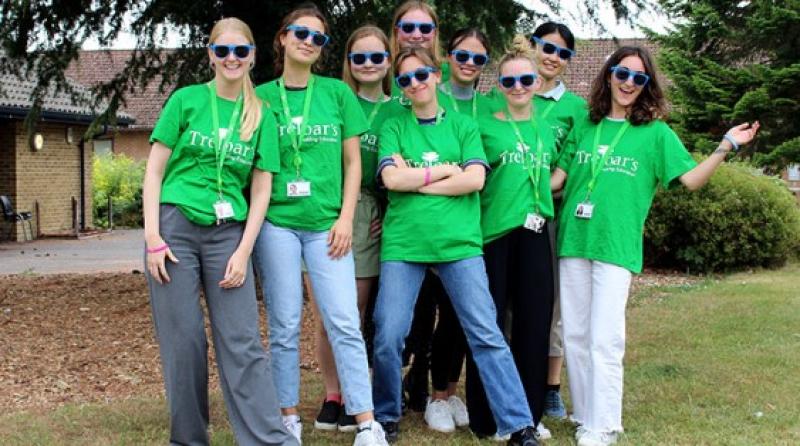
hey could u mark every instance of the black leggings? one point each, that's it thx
(520, 272)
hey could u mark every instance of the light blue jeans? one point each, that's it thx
(278, 252)
(467, 285)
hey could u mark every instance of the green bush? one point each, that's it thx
(740, 219)
(119, 177)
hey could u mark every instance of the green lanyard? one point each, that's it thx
(449, 92)
(548, 109)
(221, 149)
(374, 112)
(534, 168)
(597, 163)
(296, 137)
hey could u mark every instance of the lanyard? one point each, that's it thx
(374, 111)
(548, 109)
(534, 168)
(449, 92)
(296, 137)
(597, 163)
(221, 149)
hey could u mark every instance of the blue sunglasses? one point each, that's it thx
(526, 80)
(361, 58)
(552, 48)
(463, 56)
(624, 73)
(409, 27)
(302, 33)
(239, 51)
(420, 74)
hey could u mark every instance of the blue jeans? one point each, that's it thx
(467, 285)
(277, 253)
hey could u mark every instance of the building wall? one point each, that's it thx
(51, 177)
(134, 143)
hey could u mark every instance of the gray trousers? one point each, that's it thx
(244, 368)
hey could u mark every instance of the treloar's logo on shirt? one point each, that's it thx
(369, 142)
(524, 157)
(627, 165)
(429, 159)
(237, 151)
(313, 133)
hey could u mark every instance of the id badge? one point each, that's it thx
(298, 189)
(584, 210)
(223, 209)
(534, 222)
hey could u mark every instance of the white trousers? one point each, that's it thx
(593, 299)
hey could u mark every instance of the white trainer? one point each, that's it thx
(370, 436)
(438, 417)
(458, 410)
(542, 432)
(294, 426)
(500, 438)
(591, 438)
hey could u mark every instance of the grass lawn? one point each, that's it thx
(707, 364)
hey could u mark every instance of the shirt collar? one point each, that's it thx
(556, 92)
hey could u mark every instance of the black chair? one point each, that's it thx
(16, 217)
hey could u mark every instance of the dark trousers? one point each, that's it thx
(520, 272)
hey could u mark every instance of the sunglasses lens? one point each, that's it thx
(460, 56)
(404, 80)
(421, 75)
(548, 48)
(301, 34)
(507, 82)
(221, 51)
(241, 51)
(479, 59)
(622, 74)
(407, 28)
(564, 54)
(319, 39)
(376, 58)
(639, 79)
(358, 58)
(426, 28)
(526, 80)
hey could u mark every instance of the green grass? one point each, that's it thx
(715, 363)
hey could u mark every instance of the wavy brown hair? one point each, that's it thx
(649, 106)
(304, 10)
(360, 33)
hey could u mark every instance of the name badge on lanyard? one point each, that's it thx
(584, 210)
(298, 188)
(223, 209)
(534, 222)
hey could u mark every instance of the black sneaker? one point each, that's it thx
(347, 423)
(328, 417)
(390, 428)
(525, 437)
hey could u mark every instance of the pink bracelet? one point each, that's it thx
(157, 249)
(427, 176)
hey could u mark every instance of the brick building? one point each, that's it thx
(50, 173)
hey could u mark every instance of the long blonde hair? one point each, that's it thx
(251, 112)
(423, 6)
(360, 33)
(520, 49)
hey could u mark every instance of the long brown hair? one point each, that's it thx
(649, 106)
(251, 110)
(305, 10)
(360, 33)
(423, 6)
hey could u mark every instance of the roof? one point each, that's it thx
(590, 55)
(16, 101)
(98, 66)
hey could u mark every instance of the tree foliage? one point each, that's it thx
(735, 61)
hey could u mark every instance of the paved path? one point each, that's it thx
(119, 251)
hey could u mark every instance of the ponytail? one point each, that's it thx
(251, 111)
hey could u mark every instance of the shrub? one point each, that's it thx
(119, 177)
(740, 219)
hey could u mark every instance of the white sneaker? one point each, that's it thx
(580, 432)
(591, 438)
(438, 417)
(542, 432)
(370, 436)
(294, 426)
(458, 410)
(500, 438)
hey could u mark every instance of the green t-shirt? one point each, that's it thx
(431, 228)
(646, 156)
(508, 195)
(564, 114)
(484, 104)
(369, 140)
(190, 178)
(333, 117)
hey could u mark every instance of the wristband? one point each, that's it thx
(731, 140)
(427, 176)
(163, 247)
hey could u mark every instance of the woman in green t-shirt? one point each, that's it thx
(311, 219)
(433, 165)
(516, 211)
(615, 163)
(554, 48)
(210, 142)
(366, 71)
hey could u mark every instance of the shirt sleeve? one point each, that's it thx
(471, 145)
(673, 158)
(354, 121)
(389, 144)
(267, 157)
(168, 127)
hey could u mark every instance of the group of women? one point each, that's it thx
(470, 181)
